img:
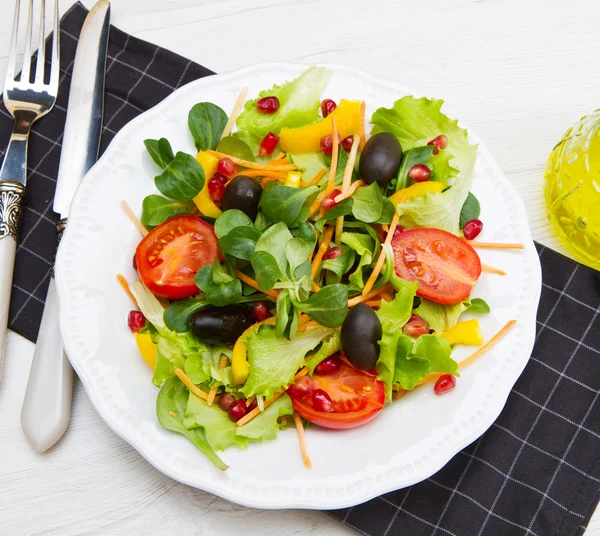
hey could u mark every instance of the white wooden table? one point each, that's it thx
(518, 72)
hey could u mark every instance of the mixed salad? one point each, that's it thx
(296, 271)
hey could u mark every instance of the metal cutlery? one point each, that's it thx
(47, 405)
(26, 101)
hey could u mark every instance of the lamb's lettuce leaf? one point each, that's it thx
(299, 102)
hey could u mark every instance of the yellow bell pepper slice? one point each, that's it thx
(293, 179)
(467, 332)
(415, 190)
(147, 348)
(202, 200)
(239, 356)
(306, 139)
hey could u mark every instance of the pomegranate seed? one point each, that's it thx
(136, 321)
(329, 202)
(251, 406)
(327, 106)
(472, 228)
(134, 263)
(226, 400)
(332, 253)
(347, 143)
(328, 365)
(267, 105)
(419, 173)
(322, 401)
(439, 143)
(260, 311)
(237, 410)
(398, 230)
(303, 386)
(216, 189)
(326, 144)
(227, 167)
(222, 179)
(415, 327)
(444, 384)
(268, 144)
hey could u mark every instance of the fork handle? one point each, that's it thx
(11, 212)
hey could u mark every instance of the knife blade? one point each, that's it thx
(47, 405)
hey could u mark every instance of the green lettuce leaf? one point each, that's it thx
(299, 102)
(274, 360)
(221, 431)
(441, 317)
(393, 315)
(331, 344)
(415, 122)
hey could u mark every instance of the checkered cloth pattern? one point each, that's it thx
(535, 472)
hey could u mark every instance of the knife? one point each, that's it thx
(47, 405)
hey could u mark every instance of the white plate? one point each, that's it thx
(407, 442)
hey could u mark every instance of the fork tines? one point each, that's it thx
(23, 81)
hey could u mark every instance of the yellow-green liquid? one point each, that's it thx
(572, 189)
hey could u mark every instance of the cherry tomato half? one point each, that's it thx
(445, 266)
(169, 256)
(356, 397)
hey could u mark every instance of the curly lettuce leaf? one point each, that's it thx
(415, 122)
(441, 317)
(299, 102)
(393, 315)
(331, 345)
(221, 432)
(274, 360)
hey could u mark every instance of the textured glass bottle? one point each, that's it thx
(572, 189)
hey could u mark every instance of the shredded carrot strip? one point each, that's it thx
(266, 180)
(302, 440)
(211, 396)
(373, 303)
(385, 227)
(349, 192)
(494, 245)
(360, 298)
(386, 296)
(263, 173)
(334, 155)
(399, 394)
(306, 325)
(379, 265)
(317, 203)
(249, 281)
(254, 165)
(363, 138)
(322, 249)
(339, 222)
(251, 414)
(234, 113)
(134, 218)
(223, 362)
(477, 354)
(123, 282)
(315, 287)
(315, 179)
(280, 156)
(190, 384)
(492, 270)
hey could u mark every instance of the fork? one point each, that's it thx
(26, 101)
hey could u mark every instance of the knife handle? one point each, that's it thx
(47, 406)
(11, 212)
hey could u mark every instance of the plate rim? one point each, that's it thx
(224, 488)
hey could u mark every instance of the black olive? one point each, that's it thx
(221, 325)
(242, 193)
(361, 332)
(380, 159)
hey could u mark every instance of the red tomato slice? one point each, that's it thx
(445, 266)
(169, 256)
(357, 397)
